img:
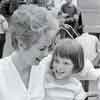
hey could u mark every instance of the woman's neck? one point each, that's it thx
(19, 63)
(23, 69)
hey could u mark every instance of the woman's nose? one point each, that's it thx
(45, 53)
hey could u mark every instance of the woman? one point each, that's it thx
(21, 78)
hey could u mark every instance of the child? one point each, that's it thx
(67, 59)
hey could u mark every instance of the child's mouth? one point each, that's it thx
(59, 72)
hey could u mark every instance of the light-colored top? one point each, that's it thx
(3, 25)
(74, 2)
(13, 88)
(88, 72)
(71, 89)
(89, 44)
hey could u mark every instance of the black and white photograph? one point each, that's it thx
(49, 49)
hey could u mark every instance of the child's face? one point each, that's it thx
(62, 67)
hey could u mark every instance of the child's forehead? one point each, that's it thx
(63, 58)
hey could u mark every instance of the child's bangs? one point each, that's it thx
(68, 49)
(65, 52)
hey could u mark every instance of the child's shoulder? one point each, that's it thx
(75, 81)
(75, 84)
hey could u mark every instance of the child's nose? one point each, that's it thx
(59, 69)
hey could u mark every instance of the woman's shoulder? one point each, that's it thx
(75, 81)
(4, 63)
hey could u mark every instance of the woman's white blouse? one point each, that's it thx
(13, 88)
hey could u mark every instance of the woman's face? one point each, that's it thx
(39, 50)
(62, 67)
(35, 53)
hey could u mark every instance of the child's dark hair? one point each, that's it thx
(68, 48)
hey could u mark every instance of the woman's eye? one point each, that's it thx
(43, 48)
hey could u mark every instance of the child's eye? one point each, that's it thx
(65, 63)
(56, 60)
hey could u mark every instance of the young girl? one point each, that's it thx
(67, 60)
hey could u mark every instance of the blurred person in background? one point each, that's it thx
(70, 14)
(8, 7)
(91, 47)
(3, 31)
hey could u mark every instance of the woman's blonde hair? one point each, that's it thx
(30, 22)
